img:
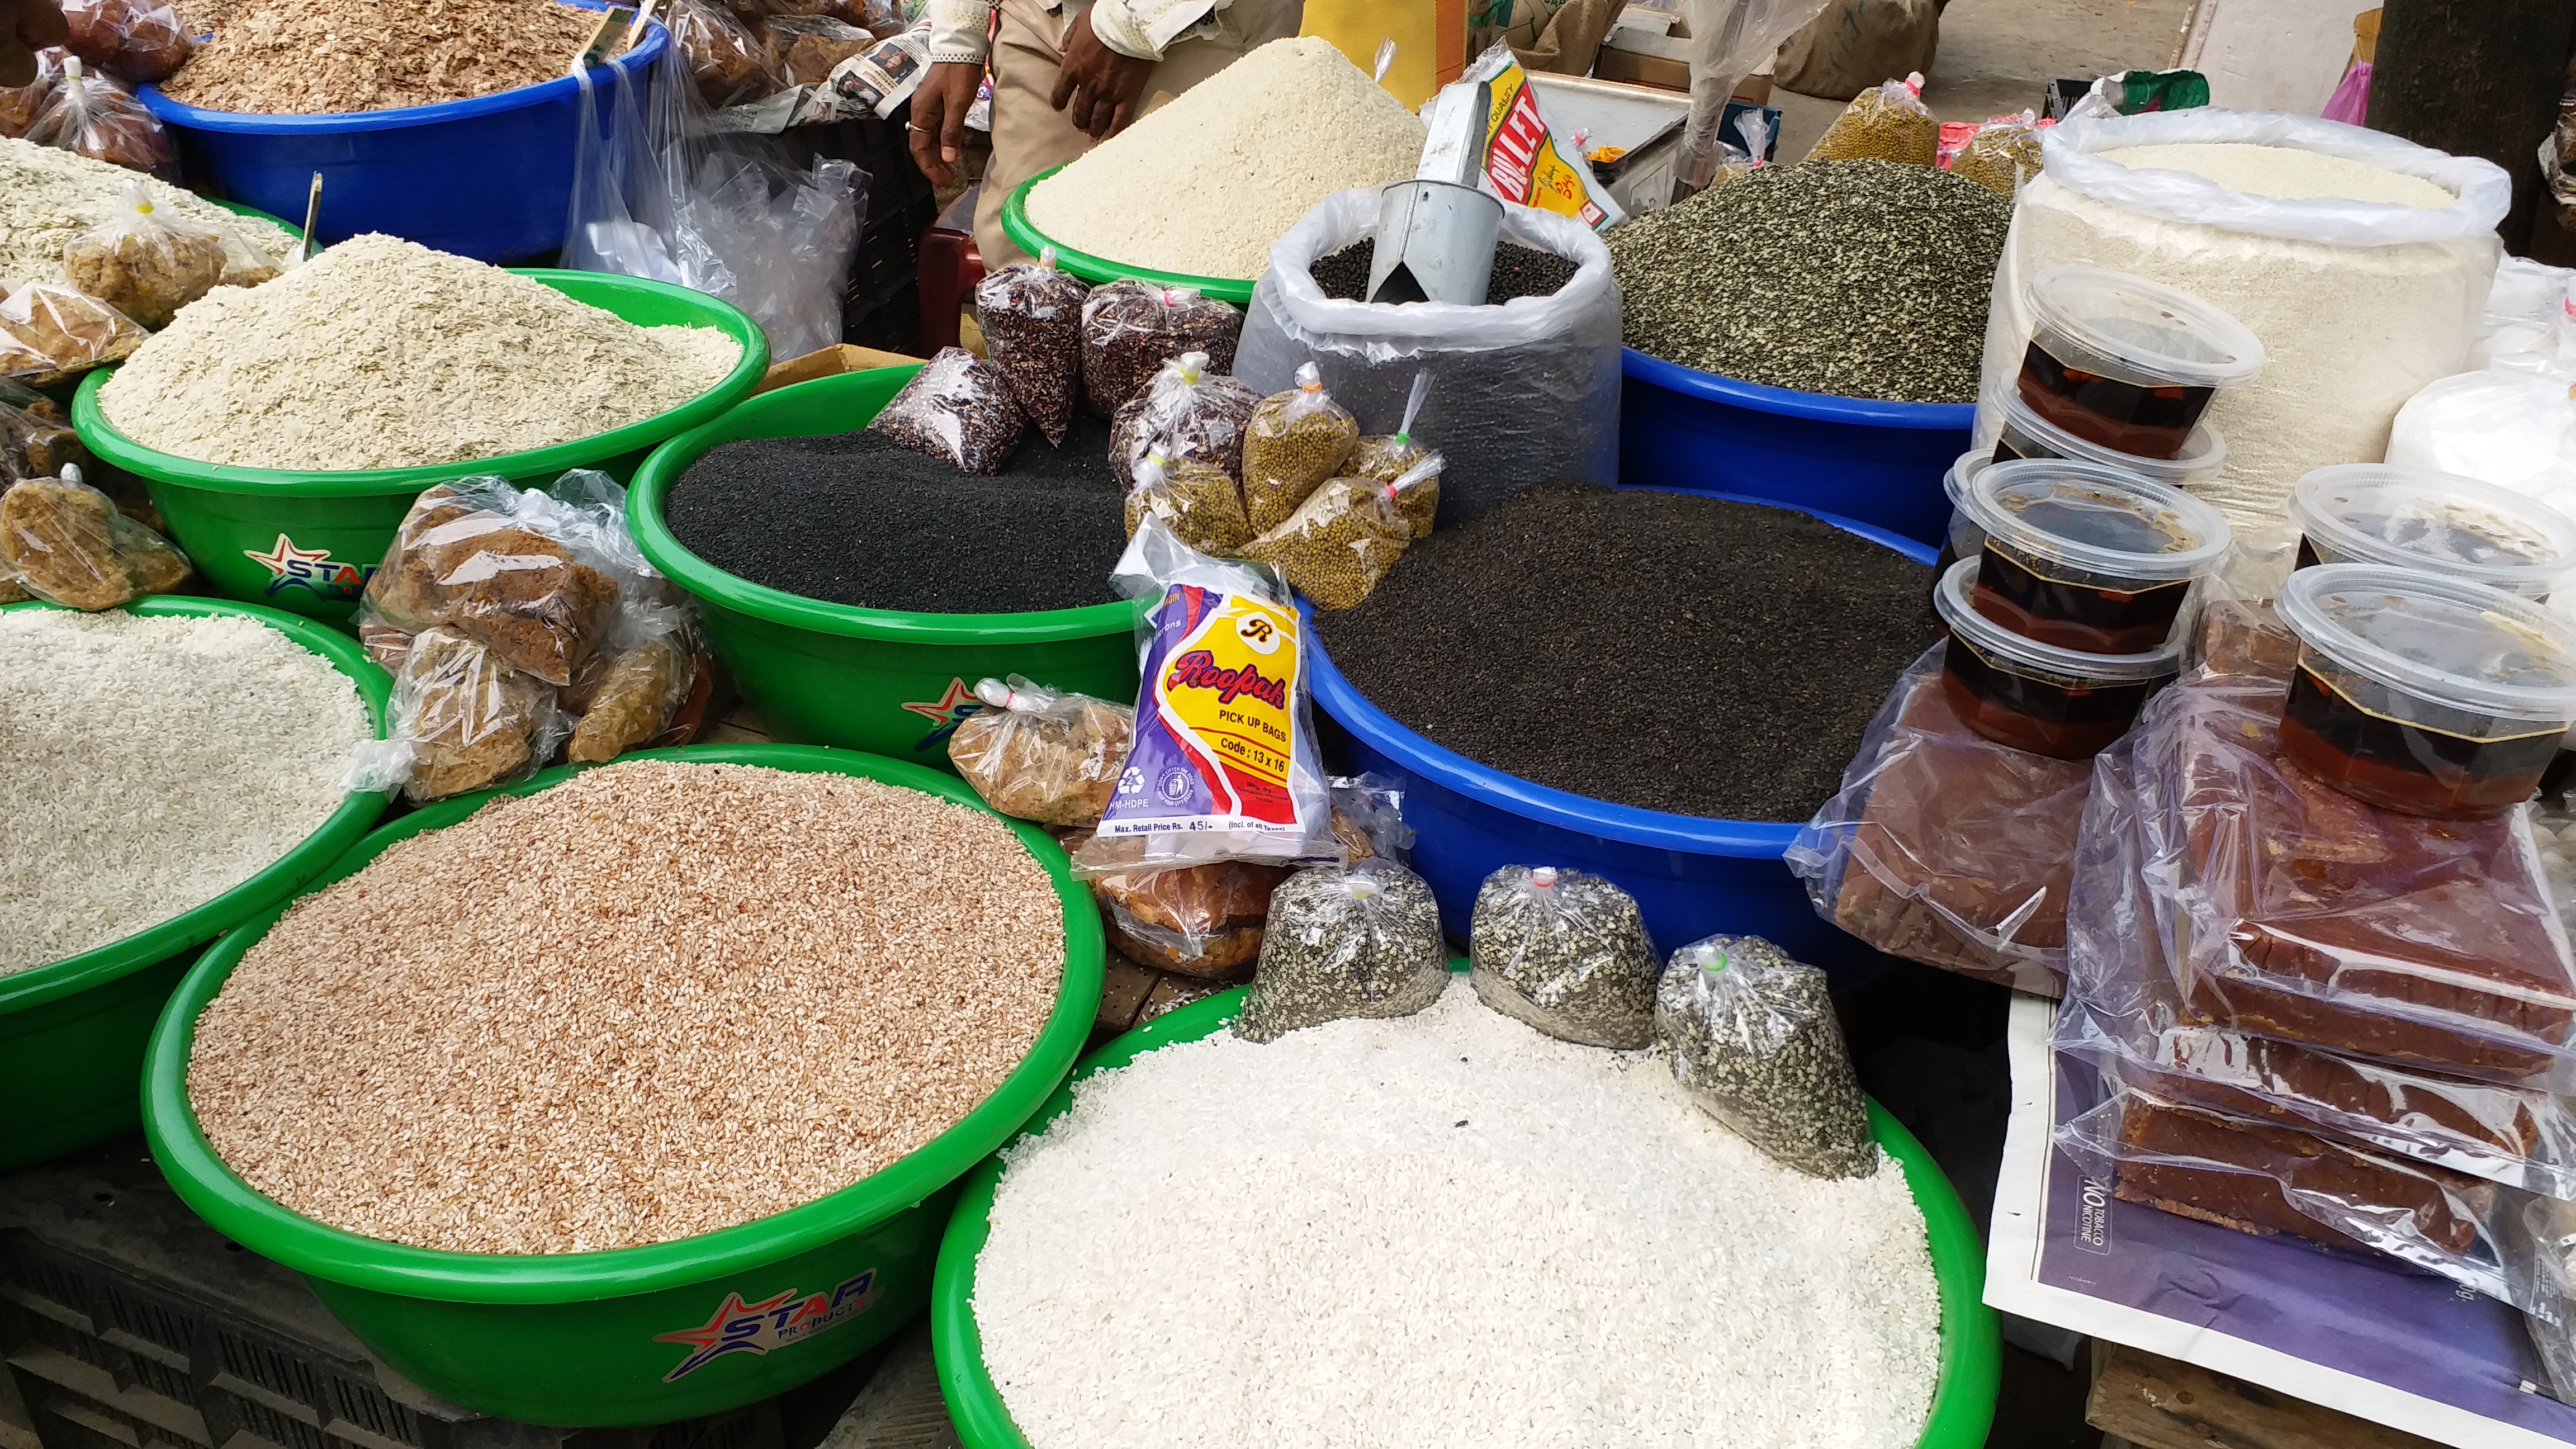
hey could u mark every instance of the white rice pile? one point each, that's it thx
(1445, 1229)
(148, 765)
(1209, 183)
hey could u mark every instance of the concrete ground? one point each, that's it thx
(1999, 55)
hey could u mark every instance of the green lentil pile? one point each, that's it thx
(1862, 279)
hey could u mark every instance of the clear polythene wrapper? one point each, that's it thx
(1945, 847)
(464, 720)
(2124, 1016)
(1347, 534)
(65, 542)
(1031, 316)
(2270, 1178)
(1368, 818)
(1041, 754)
(1187, 411)
(651, 670)
(140, 40)
(96, 116)
(145, 262)
(1131, 328)
(1345, 941)
(2290, 910)
(958, 408)
(51, 334)
(1195, 498)
(1224, 764)
(36, 439)
(1195, 920)
(1755, 1042)
(1298, 440)
(1567, 953)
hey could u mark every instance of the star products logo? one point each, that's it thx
(773, 1323)
(290, 567)
(945, 714)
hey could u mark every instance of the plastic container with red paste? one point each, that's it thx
(2088, 557)
(2434, 522)
(2128, 363)
(2422, 694)
(2017, 691)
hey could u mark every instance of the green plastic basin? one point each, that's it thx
(307, 540)
(1096, 270)
(634, 1335)
(880, 680)
(1963, 1404)
(72, 1032)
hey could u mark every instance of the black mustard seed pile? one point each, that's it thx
(1519, 271)
(855, 519)
(1654, 650)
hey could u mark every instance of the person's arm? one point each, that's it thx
(27, 26)
(937, 134)
(1110, 51)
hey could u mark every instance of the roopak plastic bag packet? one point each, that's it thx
(1224, 765)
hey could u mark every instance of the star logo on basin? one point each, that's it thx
(945, 714)
(311, 568)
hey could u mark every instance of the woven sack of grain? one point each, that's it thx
(1521, 393)
(2358, 303)
(1855, 44)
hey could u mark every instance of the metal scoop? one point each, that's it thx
(1435, 233)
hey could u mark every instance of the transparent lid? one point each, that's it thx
(2201, 453)
(1951, 600)
(2097, 518)
(2448, 641)
(2140, 331)
(1966, 466)
(2438, 522)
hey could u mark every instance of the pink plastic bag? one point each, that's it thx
(2350, 103)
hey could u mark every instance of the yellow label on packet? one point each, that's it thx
(1523, 164)
(1214, 744)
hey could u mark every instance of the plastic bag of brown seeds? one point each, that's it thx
(958, 407)
(1031, 315)
(1345, 941)
(20, 105)
(140, 40)
(1755, 1042)
(94, 115)
(1297, 442)
(1131, 328)
(1567, 953)
(1184, 410)
(145, 262)
(649, 674)
(66, 542)
(1040, 754)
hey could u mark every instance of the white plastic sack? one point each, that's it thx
(2358, 305)
(1521, 393)
(2513, 429)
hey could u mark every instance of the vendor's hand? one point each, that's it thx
(1097, 88)
(939, 108)
(27, 26)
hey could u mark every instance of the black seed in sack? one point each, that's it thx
(1565, 952)
(1519, 271)
(958, 407)
(1031, 315)
(1755, 1043)
(1204, 419)
(1344, 941)
(1131, 328)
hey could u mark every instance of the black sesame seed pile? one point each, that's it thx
(1651, 649)
(1519, 271)
(1862, 279)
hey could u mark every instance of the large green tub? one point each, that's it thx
(72, 1032)
(306, 541)
(1963, 1406)
(881, 680)
(634, 1335)
(1025, 235)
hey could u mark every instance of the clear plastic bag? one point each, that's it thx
(1040, 754)
(1349, 533)
(66, 543)
(649, 676)
(1203, 921)
(51, 334)
(1031, 315)
(1755, 1042)
(959, 408)
(1385, 459)
(145, 262)
(469, 721)
(727, 64)
(1368, 819)
(1196, 500)
(805, 47)
(2512, 428)
(139, 40)
(36, 440)
(2002, 155)
(20, 105)
(1886, 123)
(1345, 941)
(1131, 328)
(1945, 847)
(95, 116)
(1565, 952)
(1297, 441)
(1224, 765)
(1187, 411)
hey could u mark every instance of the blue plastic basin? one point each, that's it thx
(1692, 876)
(488, 178)
(1875, 462)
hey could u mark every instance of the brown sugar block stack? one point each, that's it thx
(516, 591)
(474, 720)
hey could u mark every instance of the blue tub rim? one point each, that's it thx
(1789, 402)
(1581, 814)
(635, 63)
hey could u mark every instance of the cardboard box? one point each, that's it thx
(830, 362)
(1642, 49)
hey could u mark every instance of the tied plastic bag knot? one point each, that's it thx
(960, 408)
(1565, 952)
(1755, 1042)
(1039, 754)
(96, 116)
(1342, 941)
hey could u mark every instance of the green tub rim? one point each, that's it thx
(37, 985)
(1097, 270)
(1963, 1397)
(259, 1223)
(653, 536)
(89, 420)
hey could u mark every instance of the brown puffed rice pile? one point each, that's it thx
(654, 1001)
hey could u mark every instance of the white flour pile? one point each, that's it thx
(2291, 175)
(1444, 1229)
(1206, 185)
(381, 353)
(151, 764)
(47, 197)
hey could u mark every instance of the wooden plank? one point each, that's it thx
(1123, 991)
(2161, 1403)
